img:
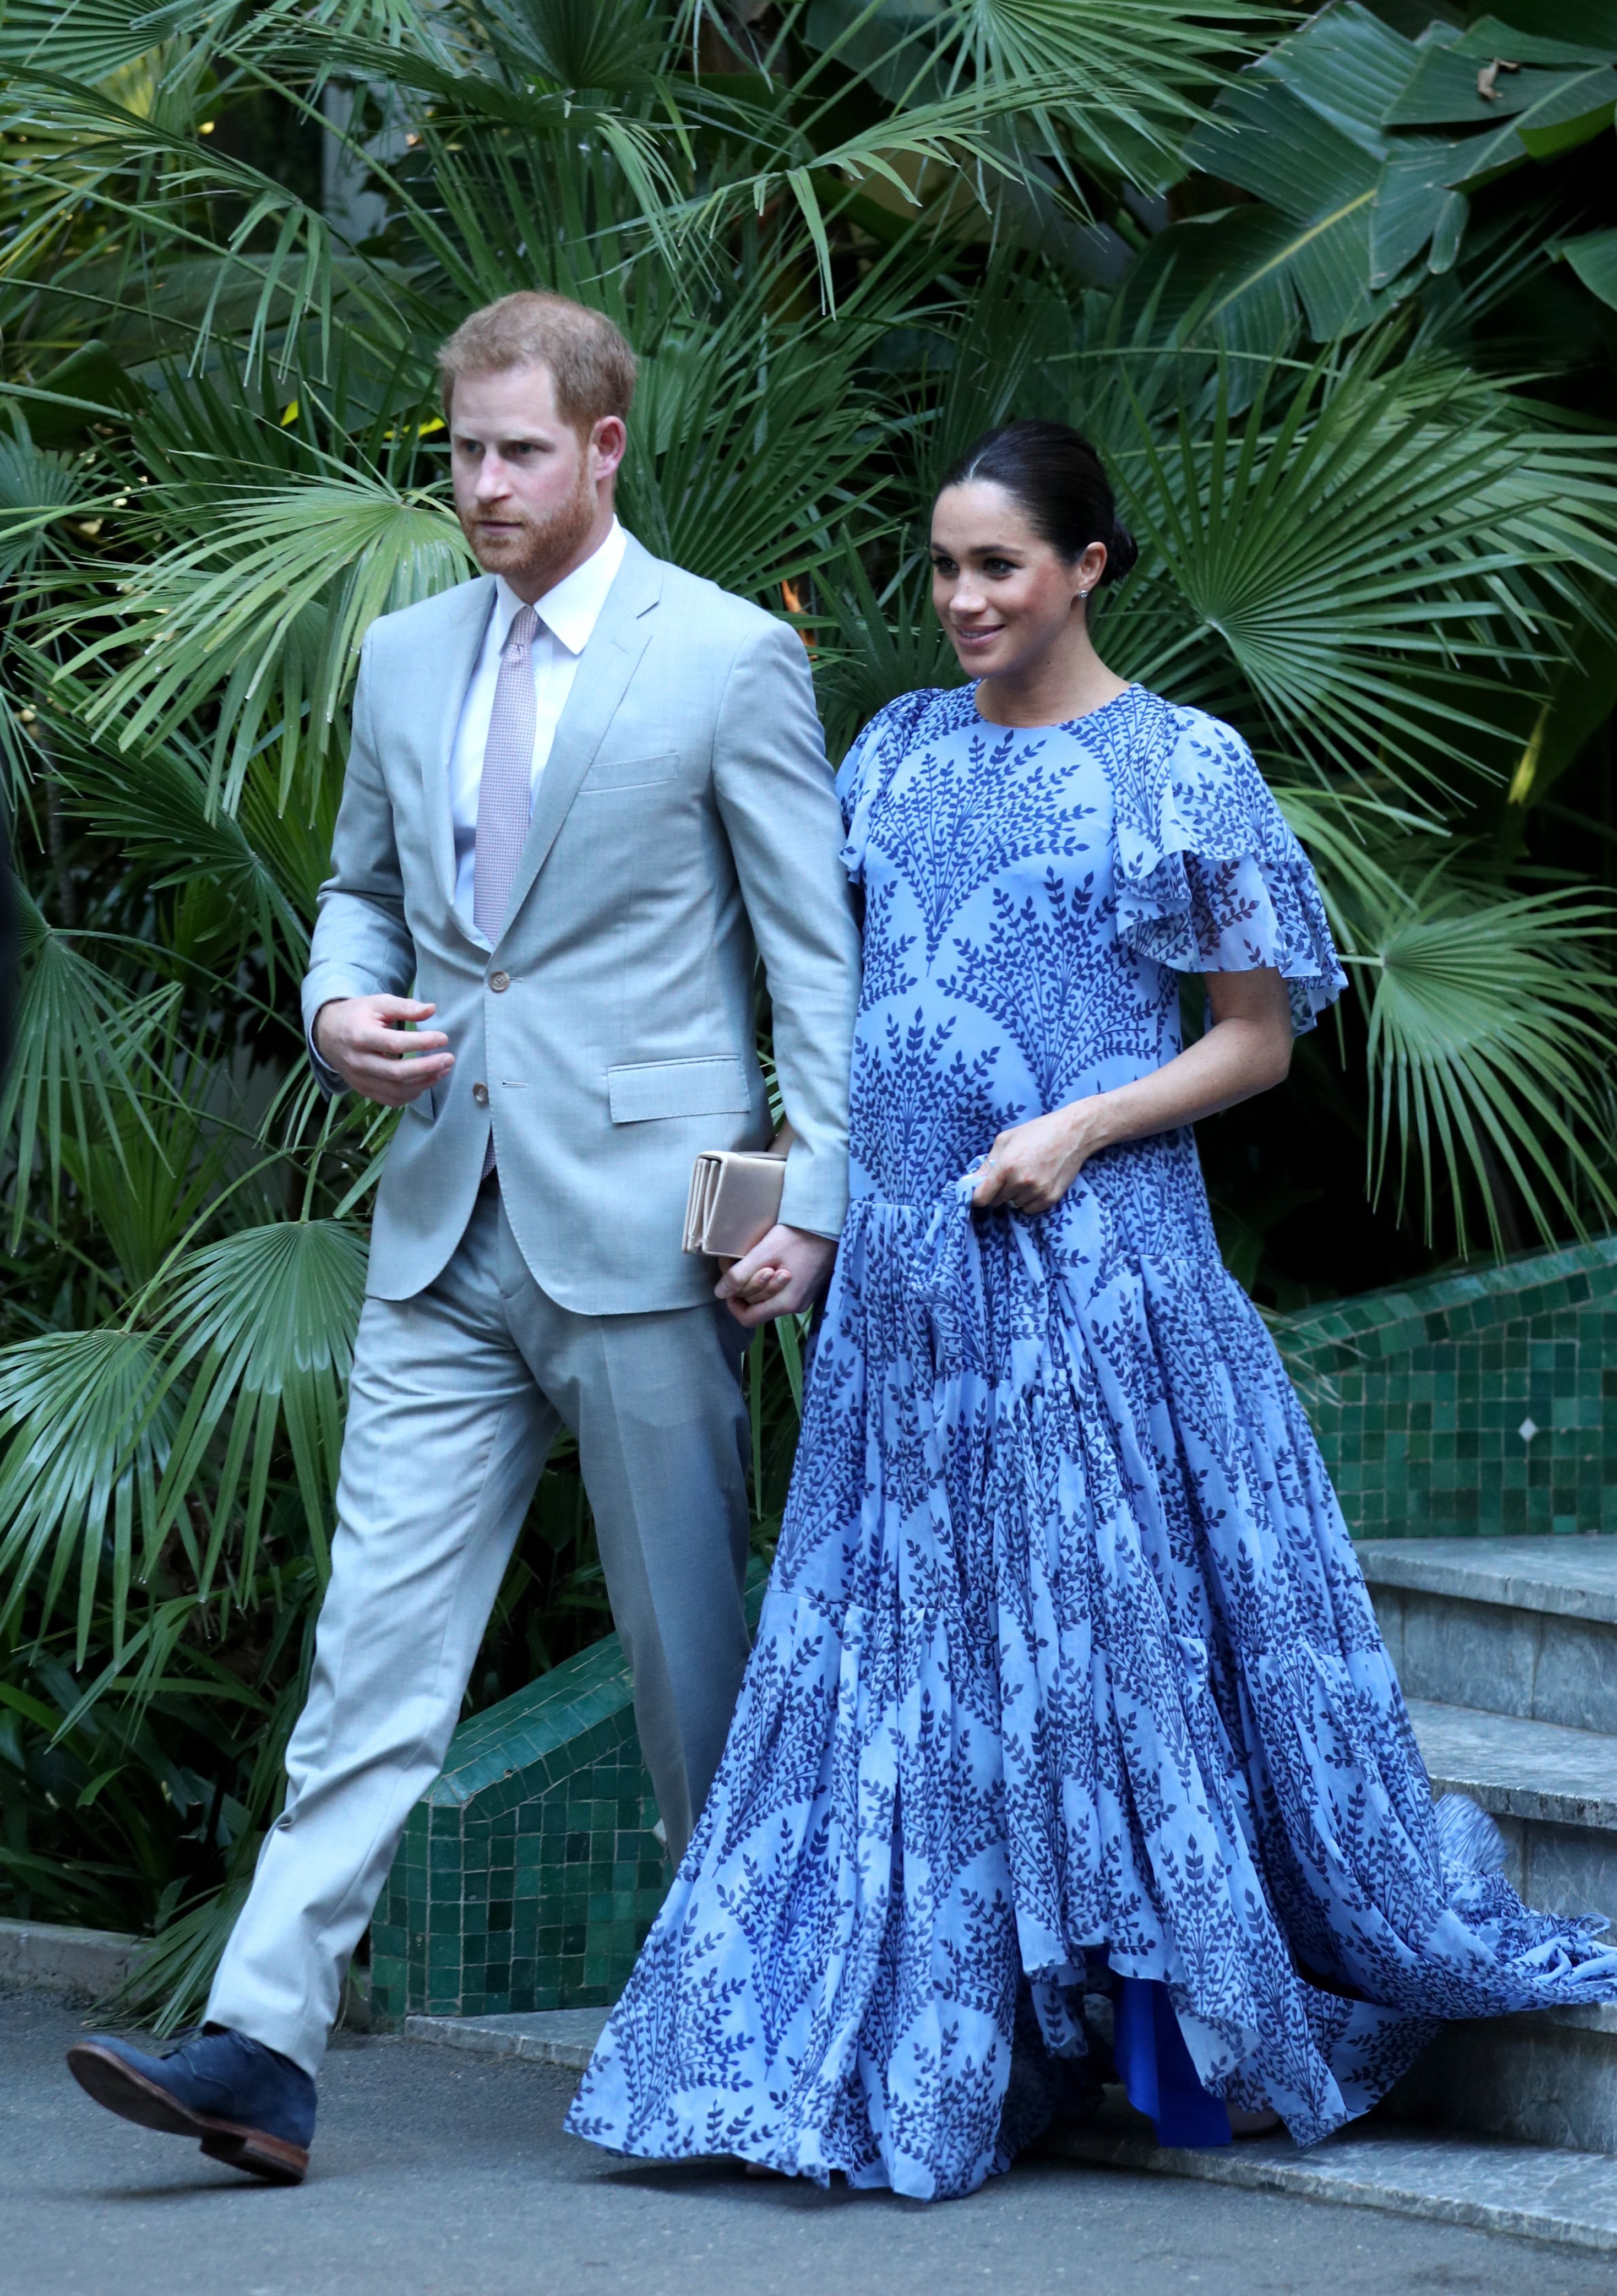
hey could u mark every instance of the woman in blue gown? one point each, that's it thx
(1069, 1750)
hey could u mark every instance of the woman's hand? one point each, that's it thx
(783, 1274)
(1032, 1167)
(1247, 1049)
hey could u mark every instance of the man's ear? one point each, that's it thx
(609, 440)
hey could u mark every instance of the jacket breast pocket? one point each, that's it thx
(609, 775)
(642, 1090)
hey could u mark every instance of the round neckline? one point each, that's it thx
(1056, 725)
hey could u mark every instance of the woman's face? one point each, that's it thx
(1002, 592)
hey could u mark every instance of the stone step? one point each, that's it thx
(93, 1962)
(1552, 1791)
(1537, 1771)
(545, 2037)
(1558, 2197)
(1526, 1626)
(1547, 2079)
(1538, 2191)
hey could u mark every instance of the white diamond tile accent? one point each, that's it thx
(1527, 1431)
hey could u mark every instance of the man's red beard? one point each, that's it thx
(524, 544)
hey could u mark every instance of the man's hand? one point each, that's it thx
(780, 1275)
(368, 1041)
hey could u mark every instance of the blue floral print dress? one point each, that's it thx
(1069, 1749)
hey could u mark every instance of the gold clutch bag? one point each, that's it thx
(735, 1199)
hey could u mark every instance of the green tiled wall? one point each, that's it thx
(1418, 1397)
(529, 1874)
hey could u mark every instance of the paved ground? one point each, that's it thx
(441, 2174)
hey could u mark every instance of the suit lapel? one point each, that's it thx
(605, 667)
(452, 663)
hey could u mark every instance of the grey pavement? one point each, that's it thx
(439, 2170)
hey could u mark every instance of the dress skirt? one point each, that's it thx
(1067, 1689)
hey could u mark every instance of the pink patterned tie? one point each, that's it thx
(505, 797)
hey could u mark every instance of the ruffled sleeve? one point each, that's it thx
(854, 795)
(869, 768)
(1209, 877)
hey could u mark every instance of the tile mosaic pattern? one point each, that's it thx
(529, 1874)
(1483, 1403)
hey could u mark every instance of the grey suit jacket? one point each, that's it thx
(685, 823)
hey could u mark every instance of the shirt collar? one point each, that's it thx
(573, 608)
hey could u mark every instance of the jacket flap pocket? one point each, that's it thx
(630, 773)
(649, 1088)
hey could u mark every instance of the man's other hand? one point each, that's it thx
(379, 1048)
(779, 1277)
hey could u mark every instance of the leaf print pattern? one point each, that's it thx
(1067, 1682)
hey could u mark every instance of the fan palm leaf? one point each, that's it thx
(161, 802)
(89, 1418)
(265, 1322)
(228, 608)
(93, 41)
(37, 489)
(251, 1345)
(103, 142)
(749, 447)
(1359, 557)
(83, 1057)
(1490, 1025)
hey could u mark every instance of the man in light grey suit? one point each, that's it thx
(583, 793)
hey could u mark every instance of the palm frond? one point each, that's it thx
(89, 1421)
(265, 1321)
(83, 1055)
(168, 1981)
(1491, 1024)
(161, 802)
(97, 41)
(273, 599)
(746, 451)
(875, 646)
(37, 488)
(100, 142)
(1361, 558)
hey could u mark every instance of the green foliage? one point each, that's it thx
(845, 238)
(1362, 150)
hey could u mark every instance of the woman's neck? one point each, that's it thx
(1067, 682)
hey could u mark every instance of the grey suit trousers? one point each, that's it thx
(456, 1396)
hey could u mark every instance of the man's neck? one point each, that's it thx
(536, 582)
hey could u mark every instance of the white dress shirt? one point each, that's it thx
(567, 616)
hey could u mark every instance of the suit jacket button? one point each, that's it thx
(480, 1092)
(499, 982)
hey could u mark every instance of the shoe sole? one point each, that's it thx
(106, 2078)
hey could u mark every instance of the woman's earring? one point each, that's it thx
(1083, 594)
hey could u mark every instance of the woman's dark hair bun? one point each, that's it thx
(1060, 482)
(1122, 551)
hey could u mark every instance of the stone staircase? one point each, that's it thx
(1507, 1649)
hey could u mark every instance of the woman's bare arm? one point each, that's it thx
(1247, 1049)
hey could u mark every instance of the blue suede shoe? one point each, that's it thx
(250, 2106)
